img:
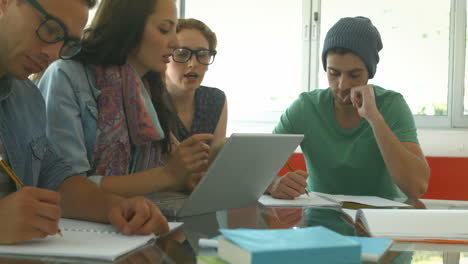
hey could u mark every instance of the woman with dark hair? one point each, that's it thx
(105, 108)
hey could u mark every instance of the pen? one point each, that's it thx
(434, 241)
(15, 179)
(292, 170)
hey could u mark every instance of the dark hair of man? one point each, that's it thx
(116, 31)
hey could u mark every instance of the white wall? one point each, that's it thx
(444, 143)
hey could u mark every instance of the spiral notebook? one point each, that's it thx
(82, 239)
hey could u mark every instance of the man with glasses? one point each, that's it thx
(33, 33)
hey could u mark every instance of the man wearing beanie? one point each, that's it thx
(360, 139)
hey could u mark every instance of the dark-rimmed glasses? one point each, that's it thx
(204, 56)
(52, 30)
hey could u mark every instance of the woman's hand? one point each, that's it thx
(189, 161)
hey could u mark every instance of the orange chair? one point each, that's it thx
(296, 161)
(449, 176)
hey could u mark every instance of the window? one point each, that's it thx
(269, 52)
(423, 56)
(260, 63)
(462, 27)
(466, 75)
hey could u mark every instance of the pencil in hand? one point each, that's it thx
(10, 173)
(292, 170)
(17, 181)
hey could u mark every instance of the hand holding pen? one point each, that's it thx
(290, 185)
(292, 170)
(188, 160)
(27, 213)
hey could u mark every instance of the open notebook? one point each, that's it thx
(82, 239)
(414, 223)
(361, 201)
(317, 199)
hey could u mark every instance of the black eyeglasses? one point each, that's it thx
(52, 30)
(204, 56)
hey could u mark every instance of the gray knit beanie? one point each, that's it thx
(357, 34)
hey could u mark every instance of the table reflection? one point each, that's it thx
(281, 218)
(182, 245)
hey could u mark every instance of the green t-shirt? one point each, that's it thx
(341, 161)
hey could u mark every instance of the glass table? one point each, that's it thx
(182, 245)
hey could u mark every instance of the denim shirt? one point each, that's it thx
(23, 133)
(70, 92)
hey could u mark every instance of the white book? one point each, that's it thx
(350, 213)
(82, 239)
(414, 223)
(302, 201)
(372, 201)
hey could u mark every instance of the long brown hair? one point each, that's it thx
(117, 30)
(192, 23)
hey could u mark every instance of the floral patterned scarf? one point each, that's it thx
(124, 121)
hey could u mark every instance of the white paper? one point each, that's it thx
(82, 239)
(301, 201)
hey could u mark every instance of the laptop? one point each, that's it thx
(237, 177)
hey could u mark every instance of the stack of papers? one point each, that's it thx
(414, 223)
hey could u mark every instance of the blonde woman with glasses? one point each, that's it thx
(200, 109)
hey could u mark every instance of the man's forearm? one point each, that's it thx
(407, 169)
